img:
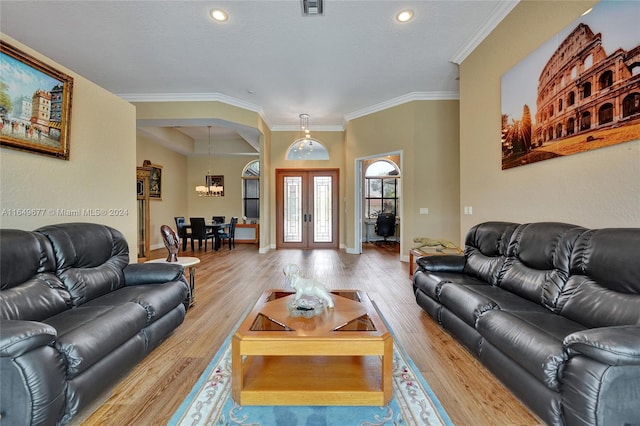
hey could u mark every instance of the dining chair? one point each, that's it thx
(199, 232)
(230, 234)
(182, 231)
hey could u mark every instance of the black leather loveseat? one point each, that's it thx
(552, 309)
(75, 316)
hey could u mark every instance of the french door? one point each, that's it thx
(307, 208)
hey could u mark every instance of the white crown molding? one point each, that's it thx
(498, 14)
(195, 97)
(188, 97)
(413, 96)
(192, 97)
(319, 128)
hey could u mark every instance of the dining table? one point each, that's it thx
(215, 227)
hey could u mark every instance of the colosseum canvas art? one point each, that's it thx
(579, 91)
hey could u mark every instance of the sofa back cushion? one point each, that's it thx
(29, 289)
(485, 249)
(89, 257)
(537, 264)
(604, 286)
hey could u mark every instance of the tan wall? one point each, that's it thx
(197, 166)
(195, 110)
(231, 204)
(426, 135)
(174, 182)
(435, 182)
(100, 173)
(265, 186)
(598, 188)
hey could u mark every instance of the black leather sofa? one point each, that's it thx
(552, 310)
(75, 316)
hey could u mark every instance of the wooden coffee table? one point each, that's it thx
(343, 356)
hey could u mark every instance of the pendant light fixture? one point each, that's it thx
(305, 147)
(210, 188)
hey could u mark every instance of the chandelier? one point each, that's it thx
(305, 147)
(210, 188)
(304, 142)
(304, 130)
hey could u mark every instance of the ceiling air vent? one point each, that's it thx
(311, 7)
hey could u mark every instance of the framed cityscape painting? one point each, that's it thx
(35, 104)
(577, 92)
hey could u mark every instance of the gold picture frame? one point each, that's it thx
(215, 183)
(155, 180)
(35, 112)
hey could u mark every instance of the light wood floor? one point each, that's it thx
(227, 282)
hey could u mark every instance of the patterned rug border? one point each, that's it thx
(405, 381)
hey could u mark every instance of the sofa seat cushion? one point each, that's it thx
(156, 299)
(470, 301)
(88, 334)
(465, 302)
(431, 282)
(531, 339)
(507, 301)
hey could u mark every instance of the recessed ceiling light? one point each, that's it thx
(219, 15)
(404, 16)
(586, 12)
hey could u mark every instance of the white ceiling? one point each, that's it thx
(268, 57)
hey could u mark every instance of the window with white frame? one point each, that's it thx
(382, 186)
(251, 190)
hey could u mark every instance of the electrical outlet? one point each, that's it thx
(424, 210)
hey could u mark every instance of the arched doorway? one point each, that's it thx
(365, 208)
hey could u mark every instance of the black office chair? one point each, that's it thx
(386, 225)
(199, 232)
(217, 219)
(231, 234)
(182, 231)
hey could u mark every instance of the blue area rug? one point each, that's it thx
(210, 402)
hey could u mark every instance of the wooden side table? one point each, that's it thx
(188, 263)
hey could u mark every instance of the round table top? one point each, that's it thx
(183, 261)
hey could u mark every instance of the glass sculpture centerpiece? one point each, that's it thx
(311, 296)
(306, 307)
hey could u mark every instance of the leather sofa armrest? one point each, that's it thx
(20, 337)
(442, 263)
(609, 345)
(152, 273)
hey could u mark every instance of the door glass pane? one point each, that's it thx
(292, 223)
(322, 231)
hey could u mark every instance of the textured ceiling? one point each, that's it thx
(267, 57)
